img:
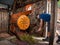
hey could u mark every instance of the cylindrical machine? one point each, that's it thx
(20, 21)
(23, 22)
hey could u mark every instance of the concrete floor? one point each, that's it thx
(7, 42)
(58, 28)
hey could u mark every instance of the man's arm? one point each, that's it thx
(41, 25)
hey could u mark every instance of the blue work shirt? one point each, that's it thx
(45, 17)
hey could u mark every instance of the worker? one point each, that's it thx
(44, 17)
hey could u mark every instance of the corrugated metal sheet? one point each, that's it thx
(8, 2)
(3, 6)
(3, 21)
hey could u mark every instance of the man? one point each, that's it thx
(44, 18)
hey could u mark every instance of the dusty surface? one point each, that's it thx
(4, 35)
(6, 42)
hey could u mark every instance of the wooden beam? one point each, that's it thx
(28, 2)
(14, 6)
(53, 19)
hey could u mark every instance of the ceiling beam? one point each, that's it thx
(27, 2)
(18, 4)
(14, 6)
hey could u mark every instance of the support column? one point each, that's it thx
(53, 20)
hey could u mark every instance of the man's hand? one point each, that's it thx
(38, 16)
(39, 30)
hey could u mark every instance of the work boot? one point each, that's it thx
(46, 39)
